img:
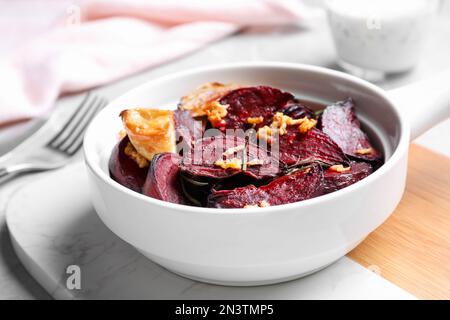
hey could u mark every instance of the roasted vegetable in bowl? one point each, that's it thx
(231, 146)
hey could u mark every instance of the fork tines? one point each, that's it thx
(70, 138)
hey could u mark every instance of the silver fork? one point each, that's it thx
(59, 149)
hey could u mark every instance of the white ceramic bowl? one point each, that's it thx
(264, 245)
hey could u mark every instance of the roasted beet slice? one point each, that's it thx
(163, 178)
(337, 177)
(224, 156)
(297, 110)
(299, 148)
(188, 129)
(339, 121)
(125, 170)
(245, 104)
(303, 184)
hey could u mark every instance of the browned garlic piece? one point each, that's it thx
(255, 120)
(262, 204)
(339, 168)
(233, 150)
(364, 151)
(281, 121)
(216, 112)
(306, 125)
(255, 162)
(198, 100)
(233, 163)
(264, 133)
(131, 152)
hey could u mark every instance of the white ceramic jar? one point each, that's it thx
(374, 38)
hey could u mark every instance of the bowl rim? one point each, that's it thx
(397, 154)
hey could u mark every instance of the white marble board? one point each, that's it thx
(53, 225)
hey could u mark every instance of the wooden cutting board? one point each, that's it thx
(412, 248)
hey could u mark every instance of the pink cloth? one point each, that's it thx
(102, 41)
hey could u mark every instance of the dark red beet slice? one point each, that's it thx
(301, 185)
(251, 102)
(296, 110)
(125, 170)
(163, 178)
(333, 180)
(200, 162)
(339, 121)
(187, 128)
(299, 148)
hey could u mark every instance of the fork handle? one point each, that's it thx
(5, 175)
(11, 171)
